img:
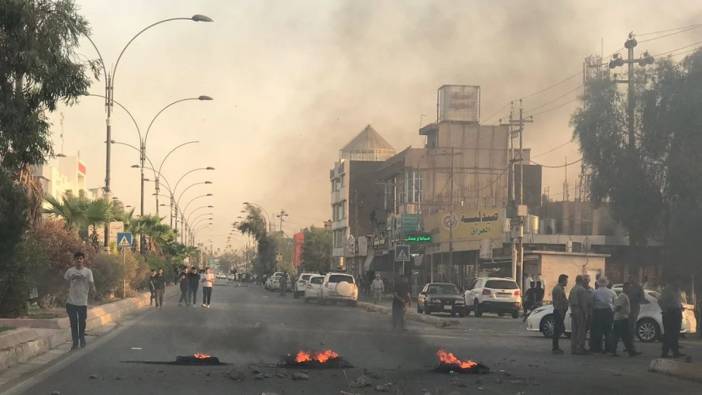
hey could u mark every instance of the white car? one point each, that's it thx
(494, 295)
(339, 287)
(649, 326)
(273, 282)
(313, 288)
(300, 284)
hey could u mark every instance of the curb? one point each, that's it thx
(21, 344)
(410, 315)
(679, 369)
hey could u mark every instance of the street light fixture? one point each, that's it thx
(109, 97)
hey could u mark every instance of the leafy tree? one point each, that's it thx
(316, 250)
(13, 285)
(38, 43)
(255, 225)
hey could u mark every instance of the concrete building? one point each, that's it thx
(62, 175)
(355, 194)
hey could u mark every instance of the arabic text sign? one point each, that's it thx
(468, 225)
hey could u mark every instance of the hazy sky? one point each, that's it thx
(293, 81)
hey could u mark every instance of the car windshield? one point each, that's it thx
(337, 278)
(443, 289)
(316, 280)
(501, 284)
(305, 277)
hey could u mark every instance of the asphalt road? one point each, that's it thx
(248, 327)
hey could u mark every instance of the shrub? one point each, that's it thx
(13, 217)
(108, 272)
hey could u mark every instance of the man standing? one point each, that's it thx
(621, 323)
(636, 296)
(529, 297)
(602, 315)
(81, 282)
(159, 281)
(183, 283)
(283, 283)
(193, 283)
(671, 308)
(578, 300)
(208, 280)
(400, 301)
(378, 287)
(560, 307)
(152, 289)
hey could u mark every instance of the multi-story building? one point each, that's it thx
(62, 175)
(356, 196)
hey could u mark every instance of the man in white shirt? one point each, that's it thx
(81, 282)
(207, 279)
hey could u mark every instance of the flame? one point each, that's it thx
(321, 357)
(448, 358)
(200, 355)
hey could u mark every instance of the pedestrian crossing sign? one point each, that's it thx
(124, 239)
(402, 253)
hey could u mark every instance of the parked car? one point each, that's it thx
(494, 295)
(339, 287)
(441, 298)
(273, 282)
(313, 288)
(649, 326)
(300, 284)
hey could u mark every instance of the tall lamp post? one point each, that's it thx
(185, 210)
(109, 98)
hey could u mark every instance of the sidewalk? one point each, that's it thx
(385, 307)
(34, 337)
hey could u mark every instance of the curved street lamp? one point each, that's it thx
(185, 224)
(160, 168)
(109, 97)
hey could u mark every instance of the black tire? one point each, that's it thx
(476, 308)
(515, 314)
(547, 326)
(647, 330)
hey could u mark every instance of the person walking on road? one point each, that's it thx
(152, 289)
(208, 279)
(193, 283)
(636, 297)
(283, 283)
(81, 282)
(400, 302)
(528, 302)
(560, 307)
(578, 300)
(671, 308)
(159, 281)
(183, 284)
(602, 316)
(377, 287)
(621, 324)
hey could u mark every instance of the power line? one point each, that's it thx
(669, 30)
(560, 166)
(555, 108)
(553, 149)
(556, 98)
(570, 77)
(692, 27)
(678, 49)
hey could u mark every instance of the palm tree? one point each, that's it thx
(96, 213)
(70, 209)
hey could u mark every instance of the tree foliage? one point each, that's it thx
(655, 184)
(13, 220)
(316, 250)
(38, 43)
(255, 225)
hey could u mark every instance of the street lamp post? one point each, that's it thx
(157, 175)
(185, 210)
(109, 99)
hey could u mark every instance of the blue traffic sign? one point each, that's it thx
(125, 239)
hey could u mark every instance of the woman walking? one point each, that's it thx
(207, 280)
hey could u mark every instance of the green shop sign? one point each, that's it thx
(423, 238)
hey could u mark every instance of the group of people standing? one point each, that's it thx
(610, 317)
(189, 280)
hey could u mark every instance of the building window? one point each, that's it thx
(416, 187)
(338, 212)
(339, 238)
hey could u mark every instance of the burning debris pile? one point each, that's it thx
(448, 362)
(197, 359)
(326, 359)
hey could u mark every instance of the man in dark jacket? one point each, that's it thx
(159, 281)
(183, 283)
(560, 307)
(193, 284)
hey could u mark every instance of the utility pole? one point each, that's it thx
(281, 216)
(617, 61)
(451, 219)
(516, 126)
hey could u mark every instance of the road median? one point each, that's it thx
(440, 322)
(677, 368)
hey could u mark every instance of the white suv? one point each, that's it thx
(494, 295)
(339, 287)
(300, 284)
